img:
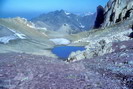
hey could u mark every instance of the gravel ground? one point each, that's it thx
(111, 71)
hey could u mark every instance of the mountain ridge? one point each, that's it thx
(56, 19)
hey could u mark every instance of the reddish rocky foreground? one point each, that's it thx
(111, 71)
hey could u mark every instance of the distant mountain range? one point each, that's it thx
(61, 20)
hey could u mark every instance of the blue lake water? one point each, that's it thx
(64, 51)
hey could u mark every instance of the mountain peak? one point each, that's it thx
(63, 12)
(54, 21)
(58, 11)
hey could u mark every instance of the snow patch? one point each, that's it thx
(88, 13)
(34, 27)
(60, 41)
(82, 26)
(15, 36)
(20, 35)
(67, 13)
(42, 28)
(31, 26)
(6, 39)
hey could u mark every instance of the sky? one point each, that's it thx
(32, 8)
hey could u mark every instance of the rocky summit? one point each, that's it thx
(26, 60)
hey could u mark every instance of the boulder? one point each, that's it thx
(131, 35)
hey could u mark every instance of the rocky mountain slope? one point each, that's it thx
(107, 62)
(19, 35)
(100, 41)
(58, 20)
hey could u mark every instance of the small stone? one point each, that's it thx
(120, 64)
(123, 47)
(123, 55)
(1, 75)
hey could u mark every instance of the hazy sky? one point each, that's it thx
(31, 8)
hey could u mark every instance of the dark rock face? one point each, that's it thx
(114, 12)
(117, 11)
(132, 27)
(131, 35)
(100, 17)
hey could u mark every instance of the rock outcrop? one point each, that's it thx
(117, 11)
(101, 43)
(100, 17)
(131, 35)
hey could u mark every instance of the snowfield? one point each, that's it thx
(13, 36)
(6, 39)
(60, 41)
